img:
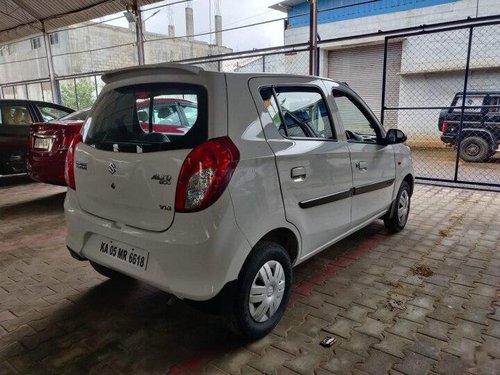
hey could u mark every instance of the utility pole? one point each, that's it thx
(313, 37)
(138, 33)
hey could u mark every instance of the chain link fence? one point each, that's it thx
(447, 101)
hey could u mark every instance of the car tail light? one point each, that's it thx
(69, 170)
(444, 127)
(67, 138)
(205, 174)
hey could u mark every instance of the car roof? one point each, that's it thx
(23, 101)
(473, 92)
(171, 68)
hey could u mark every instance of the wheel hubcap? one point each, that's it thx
(403, 206)
(472, 150)
(267, 291)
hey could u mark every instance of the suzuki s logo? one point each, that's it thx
(112, 168)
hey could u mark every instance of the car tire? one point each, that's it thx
(254, 319)
(474, 149)
(399, 218)
(108, 272)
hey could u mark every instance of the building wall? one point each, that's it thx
(421, 14)
(94, 48)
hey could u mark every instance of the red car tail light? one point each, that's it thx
(444, 128)
(69, 170)
(205, 174)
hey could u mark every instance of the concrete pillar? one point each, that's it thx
(218, 30)
(171, 31)
(138, 33)
(50, 63)
(189, 23)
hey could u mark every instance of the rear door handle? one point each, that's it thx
(298, 173)
(362, 165)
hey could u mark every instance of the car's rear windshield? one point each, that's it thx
(149, 117)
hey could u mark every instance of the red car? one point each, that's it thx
(47, 146)
(49, 142)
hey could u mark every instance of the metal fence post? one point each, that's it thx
(462, 110)
(313, 36)
(263, 64)
(384, 82)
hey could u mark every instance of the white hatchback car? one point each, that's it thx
(271, 170)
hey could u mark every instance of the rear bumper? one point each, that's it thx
(449, 139)
(194, 259)
(49, 169)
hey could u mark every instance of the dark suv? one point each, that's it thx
(480, 128)
(16, 116)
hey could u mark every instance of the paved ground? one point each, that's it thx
(440, 163)
(423, 301)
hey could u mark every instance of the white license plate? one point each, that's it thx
(132, 256)
(43, 143)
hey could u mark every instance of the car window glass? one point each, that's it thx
(16, 115)
(470, 101)
(494, 104)
(50, 113)
(298, 112)
(191, 113)
(357, 126)
(146, 118)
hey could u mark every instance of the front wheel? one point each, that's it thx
(397, 222)
(474, 149)
(264, 288)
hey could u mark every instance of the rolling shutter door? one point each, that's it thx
(361, 68)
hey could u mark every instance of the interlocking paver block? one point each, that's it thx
(450, 364)
(415, 363)
(232, 362)
(405, 328)
(444, 313)
(342, 327)
(270, 360)
(372, 327)
(428, 346)
(415, 314)
(475, 314)
(378, 362)
(356, 313)
(307, 361)
(342, 361)
(359, 343)
(424, 301)
(392, 344)
(470, 330)
(463, 348)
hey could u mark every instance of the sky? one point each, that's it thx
(234, 13)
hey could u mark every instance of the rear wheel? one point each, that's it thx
(399, 218)
(108, 272)
(474, 149)
(264, 288)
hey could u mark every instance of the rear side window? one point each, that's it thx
(470, 101)
(50, 113)
(148, 118)
(16, 115)
(298, 112)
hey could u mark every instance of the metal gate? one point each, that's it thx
(445, 95)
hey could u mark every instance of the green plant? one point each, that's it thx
(85, 89)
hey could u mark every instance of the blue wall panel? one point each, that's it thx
(351, 9)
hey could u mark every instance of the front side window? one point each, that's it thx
(147, 118)
(50, 113)
(358, 127)
(298, 112)
(16, 115)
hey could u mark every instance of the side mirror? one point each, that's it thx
(395, 136)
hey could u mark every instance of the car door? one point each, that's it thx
(313, 165)
(372, 162)
(15, 120)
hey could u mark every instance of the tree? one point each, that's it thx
(86, 93)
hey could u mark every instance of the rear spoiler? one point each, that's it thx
(163, 68)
